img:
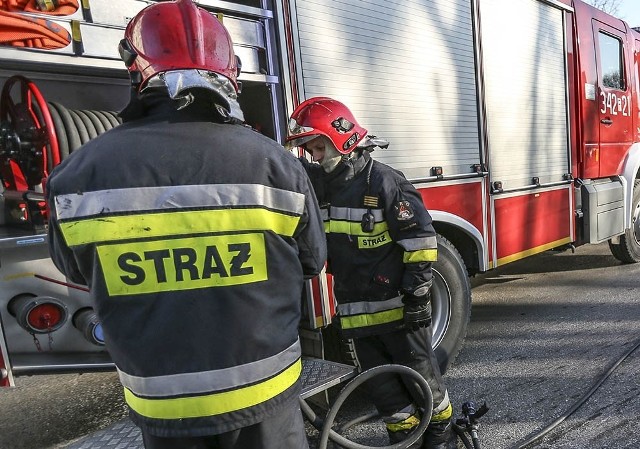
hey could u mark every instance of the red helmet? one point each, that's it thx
(177, 35)
(323, 116)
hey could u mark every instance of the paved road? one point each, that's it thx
(540, 344)
(543, 332)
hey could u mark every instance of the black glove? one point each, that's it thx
(417, 312)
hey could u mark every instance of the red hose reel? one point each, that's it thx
(28, 142)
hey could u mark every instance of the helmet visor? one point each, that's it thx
(299, 134)
(178, 82)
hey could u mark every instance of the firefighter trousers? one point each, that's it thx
(284, 430)
(389, 392)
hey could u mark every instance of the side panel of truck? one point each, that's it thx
(526, 95)
(510, 92)
(405, 68)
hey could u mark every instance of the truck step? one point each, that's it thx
(317, 376)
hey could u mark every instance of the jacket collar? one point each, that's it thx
(346, 171)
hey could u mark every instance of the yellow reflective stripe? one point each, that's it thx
(407, 424)
(423, 255)
(183, 264)
(371, 319)
(375, 241)
(114, 228)
(354, 228)
(216, 403)
(444, 415)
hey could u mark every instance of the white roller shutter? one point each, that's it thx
(525, 86)
(406, 68)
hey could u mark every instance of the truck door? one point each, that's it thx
(526, 95)
(614, 96)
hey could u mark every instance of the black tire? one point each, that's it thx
(628, 248)
(451, 303)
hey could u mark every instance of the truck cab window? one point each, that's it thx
(612, 62)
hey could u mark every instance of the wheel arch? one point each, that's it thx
(630, 172)
(465, 237)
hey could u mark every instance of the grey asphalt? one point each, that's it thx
(543, 331)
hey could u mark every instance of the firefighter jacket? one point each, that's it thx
(195, 238)
(380, 240)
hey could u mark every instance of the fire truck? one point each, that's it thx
(517, 120)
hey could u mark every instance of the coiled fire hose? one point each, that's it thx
(325, 426)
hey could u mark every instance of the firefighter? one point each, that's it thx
(194, 234)
(381, 245)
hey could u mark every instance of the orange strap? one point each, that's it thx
(22, 31)
(57, 8)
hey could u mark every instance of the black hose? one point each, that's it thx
(328, 433)
(358, 420)
(97, 124)
(113, 120)
(80, 126)
(61, 134)
(73, 137)
(88, 124)
(106, 124)
(460, 432)
(579, 402)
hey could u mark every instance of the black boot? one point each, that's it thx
(439, 435)
(401, 435)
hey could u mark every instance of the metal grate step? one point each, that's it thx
(317, 375)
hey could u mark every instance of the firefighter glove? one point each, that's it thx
(417, 314)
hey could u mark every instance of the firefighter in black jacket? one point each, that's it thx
(381, 246)
(194, 234)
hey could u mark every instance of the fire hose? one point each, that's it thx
(325, 426)
(36, 135)
(467, 424)
(541, 433)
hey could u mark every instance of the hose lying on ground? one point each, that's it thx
(535, 437)
(324, 426)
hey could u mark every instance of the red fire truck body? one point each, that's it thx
(517, 120)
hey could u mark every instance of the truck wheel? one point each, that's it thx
(628, 250)
(450, 302)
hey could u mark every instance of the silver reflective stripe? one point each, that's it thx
(419, 243)
(367, 307)
(443, 405)
(355, 214)
(174, 197)
(215, 380)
